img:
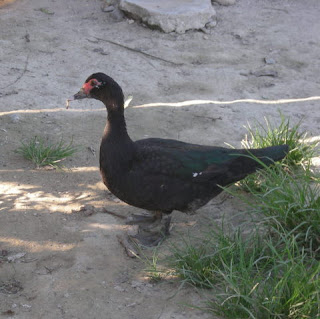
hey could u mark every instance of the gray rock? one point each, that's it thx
(265, 72)
(117, 14)
(269, 60)
(170, 16)
(14, 118)
(225, 2)
(107, 8)
(211, 24)
(205, 30)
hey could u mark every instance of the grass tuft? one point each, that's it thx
(267, 134)
(253, 276)
(46, 154)
(201, 264)
(290, 203)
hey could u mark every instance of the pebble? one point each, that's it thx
(117, 14)
(211, 24)
(269, 60)
(119, 288)
(264, 72)
(14, 118)
(26, 307)
(135, 284)
(101, 51)
(206, 30)
(108, 8)
(225, 2)
(15, 257)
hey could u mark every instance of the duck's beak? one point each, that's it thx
(78, 96)
(81, 95)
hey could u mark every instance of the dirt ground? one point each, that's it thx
(59, 262)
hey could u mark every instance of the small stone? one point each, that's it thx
(25, 306)
(101, 51)
(225, 2)
(265, 72)
(205, 30)
(269, 60)
(205, 37)
(135, 284)
(130, 21)
(268, 84)
(117, 15)
(107, 8)
(211, 24)
(15, 257)
(119, 288)
(14, 118)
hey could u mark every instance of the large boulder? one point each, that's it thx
(170, 15)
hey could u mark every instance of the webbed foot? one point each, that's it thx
(154, 234)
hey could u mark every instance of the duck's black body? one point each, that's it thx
(166, 175)
(163, 175)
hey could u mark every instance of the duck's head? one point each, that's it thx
(102, 87)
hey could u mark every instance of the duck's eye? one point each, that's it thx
(94, 83)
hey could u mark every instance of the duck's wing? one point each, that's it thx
(200, 162)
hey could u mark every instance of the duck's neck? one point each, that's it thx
(116, 129)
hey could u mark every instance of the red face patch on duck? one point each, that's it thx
(93, 83)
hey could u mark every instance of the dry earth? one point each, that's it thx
(56, 263)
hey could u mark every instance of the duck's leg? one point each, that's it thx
(155, 232)
(147, 219)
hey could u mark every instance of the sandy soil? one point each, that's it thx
(56, 263)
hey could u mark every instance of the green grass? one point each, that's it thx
(290, 203)
(201, 264)
(268, 134)
(46, 154)
(152, 268)
(254, 276)
(287, 288)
